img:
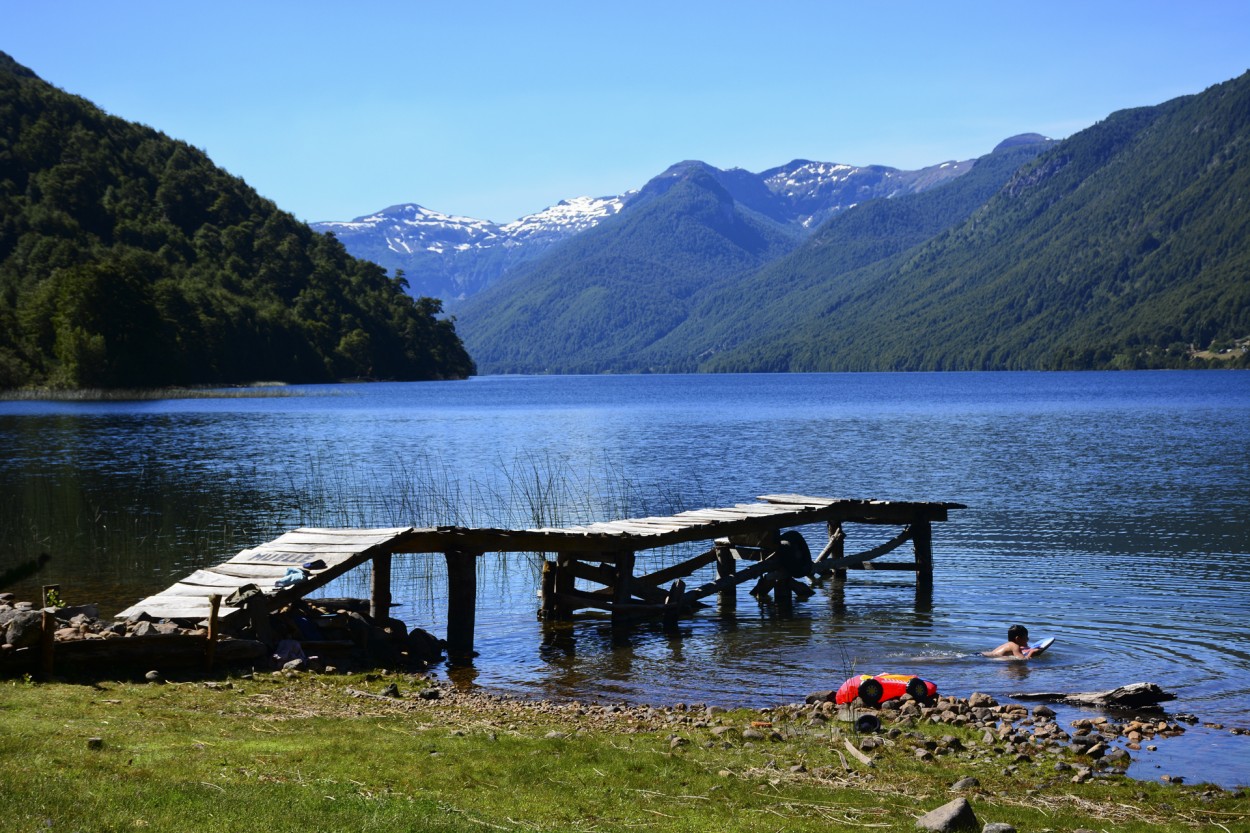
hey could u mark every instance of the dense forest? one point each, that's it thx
(127, 259)
(596, 301)
(684, 271)
(1126, 245)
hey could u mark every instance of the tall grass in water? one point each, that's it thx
(529, 491)
(143, 529)
(532, 490)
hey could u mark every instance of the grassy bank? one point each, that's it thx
(317, 753)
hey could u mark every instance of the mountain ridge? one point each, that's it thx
(1125, 245)
(454, 257)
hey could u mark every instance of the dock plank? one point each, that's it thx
(347, 548)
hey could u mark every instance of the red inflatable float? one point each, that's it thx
(875, 689)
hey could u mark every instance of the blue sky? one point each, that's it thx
(499, 109)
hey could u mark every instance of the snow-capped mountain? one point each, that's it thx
(411, 228)
(452, 257)
(565, 218)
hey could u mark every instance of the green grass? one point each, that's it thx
(279, 754)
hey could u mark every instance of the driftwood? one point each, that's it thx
(1131, 696)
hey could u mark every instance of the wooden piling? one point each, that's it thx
(565, 585)
(624, 579)
(461, 605)
(548, 603)
(210, 651)
(837, 547)
(726, 566)
(380, 588)
(922, 544)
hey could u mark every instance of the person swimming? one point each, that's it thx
(1016, 646)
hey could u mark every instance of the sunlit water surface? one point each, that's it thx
(1105, 509)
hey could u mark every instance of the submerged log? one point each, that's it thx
(1131, 696)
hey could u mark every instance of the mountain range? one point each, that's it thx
(1126, 245)
(453, 258)
(129, 259)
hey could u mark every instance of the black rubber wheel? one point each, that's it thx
(917, 689)
(866, 724)
(870, 691)
(795, 554)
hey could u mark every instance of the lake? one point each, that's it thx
(1108, 510)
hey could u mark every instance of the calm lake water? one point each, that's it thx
(1106, 509)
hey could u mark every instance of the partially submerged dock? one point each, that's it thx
(762, 536)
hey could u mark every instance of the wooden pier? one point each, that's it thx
(761, 536)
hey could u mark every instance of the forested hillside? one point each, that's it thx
(864, 235)
(592, 304)
(1126, 245)
(686, 272)
(129, 259)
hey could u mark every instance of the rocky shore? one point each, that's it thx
(1007, 735)
(75, 639)
(986, 752)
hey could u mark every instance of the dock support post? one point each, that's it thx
(837, 548)
(380, 588)
(210, 650)
(549, 602)
(726, 567)
(922, 542)
(621, 591)
(461, 605)
(564, 584)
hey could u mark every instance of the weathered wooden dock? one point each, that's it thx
(762, 535)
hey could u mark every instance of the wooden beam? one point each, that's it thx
(755, 570)
(681, 570)
(828, 565)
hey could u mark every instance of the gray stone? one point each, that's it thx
(25, 628)
(968, 783)
(143, 628)
(954, 815)
(1117, 756)
(998, 827)
(153, 677)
